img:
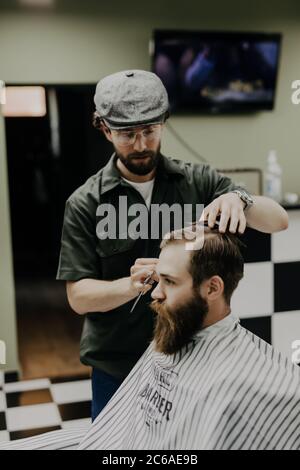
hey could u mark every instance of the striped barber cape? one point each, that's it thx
(227, 389)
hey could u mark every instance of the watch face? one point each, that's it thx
(248, 198)
(245, 197)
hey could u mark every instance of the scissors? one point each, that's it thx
(148, 280)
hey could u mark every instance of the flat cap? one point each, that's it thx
(131, 98)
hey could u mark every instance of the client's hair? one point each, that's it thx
(220, 255)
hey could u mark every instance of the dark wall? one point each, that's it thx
(40, 182)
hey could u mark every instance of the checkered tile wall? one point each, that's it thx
(267, 299)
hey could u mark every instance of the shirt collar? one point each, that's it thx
(111, 176)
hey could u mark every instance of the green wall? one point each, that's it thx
(7, 299)
(83, 41)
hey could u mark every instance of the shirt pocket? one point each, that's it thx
(116, 257)
(110, 247)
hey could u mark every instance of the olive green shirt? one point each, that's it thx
(113, 341)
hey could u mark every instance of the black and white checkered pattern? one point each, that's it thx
(267, 299)
(32, 407)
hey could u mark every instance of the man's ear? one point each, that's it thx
(105, 131)
(212, 288)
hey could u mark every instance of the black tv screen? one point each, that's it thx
(217, 71)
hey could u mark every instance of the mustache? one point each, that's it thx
(163, 313)
(147, 153)
(157, 306)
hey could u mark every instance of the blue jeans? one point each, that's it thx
(103, 388)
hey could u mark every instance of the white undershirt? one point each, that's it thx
(145, 189)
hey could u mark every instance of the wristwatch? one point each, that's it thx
(245, 197)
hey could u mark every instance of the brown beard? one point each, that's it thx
(140, 168)
(174, 329)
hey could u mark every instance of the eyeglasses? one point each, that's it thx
(127, 138)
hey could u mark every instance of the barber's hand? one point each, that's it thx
(231, 210)
(140, 271)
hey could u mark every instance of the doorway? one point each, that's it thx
(48, 157)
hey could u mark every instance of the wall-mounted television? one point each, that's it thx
(217, 71)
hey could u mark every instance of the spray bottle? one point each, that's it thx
(273, 186)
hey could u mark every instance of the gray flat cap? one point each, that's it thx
(131, 98)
